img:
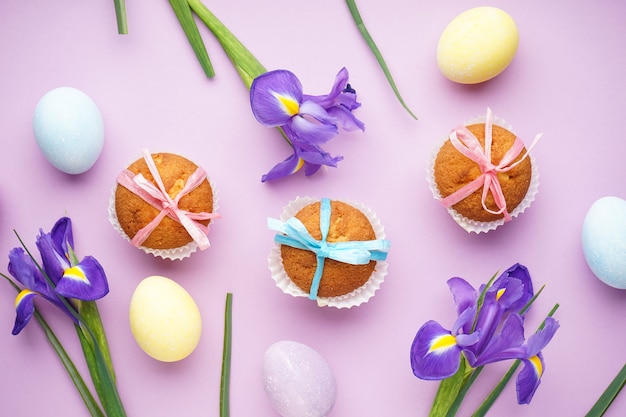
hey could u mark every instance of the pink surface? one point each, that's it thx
(565, 81)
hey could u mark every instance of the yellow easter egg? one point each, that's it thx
(477, 45)
(164, 319)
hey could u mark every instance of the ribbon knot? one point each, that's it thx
(293, 233)
(158, 197)
(468, 145)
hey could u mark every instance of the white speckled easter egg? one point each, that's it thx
(164, 319)
(69, 130)
(477, 45)
(298, 381)
(604, 240)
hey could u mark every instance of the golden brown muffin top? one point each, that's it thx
(134, 213)
(347, 223)
(454, 170)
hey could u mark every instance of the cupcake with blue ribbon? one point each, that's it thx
(329, 251)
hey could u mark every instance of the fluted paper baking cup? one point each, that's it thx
(355, 298)
(474, 226)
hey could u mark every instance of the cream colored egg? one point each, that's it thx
(477, 45)
(164, 319)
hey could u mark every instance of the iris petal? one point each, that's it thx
(435, 354)
(313, 124)
(25, 308)
(540, 339)
(23, 269)
(463, 293)
(62, 234)
(507, 344)
(85, 281)
(273, 97)
(529, 378)
(521, 273)
(284, 168)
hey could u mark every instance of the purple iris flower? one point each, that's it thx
(84, 280)
(277, 100)
(488, 329)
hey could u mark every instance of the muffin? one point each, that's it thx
(341, 281)
(163, 203)
(481, 193)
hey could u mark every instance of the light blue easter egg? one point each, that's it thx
(298, 381)
(68, 129)
(604, 240)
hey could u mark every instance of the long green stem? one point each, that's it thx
(456, 404)
(358, 20)
(77, 379)
(226, 356)
(607, 397)
(188, 23)
(120, 15)
(246, 64)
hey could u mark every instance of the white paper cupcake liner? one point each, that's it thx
(473, 226)
(179, 253)
(355, 298)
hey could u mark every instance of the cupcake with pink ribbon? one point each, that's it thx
(484, 174)
(163, 204)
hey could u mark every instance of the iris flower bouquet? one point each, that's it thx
(277, 100)
(72, 286)
(489, 328)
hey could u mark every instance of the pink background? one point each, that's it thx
(565, 81)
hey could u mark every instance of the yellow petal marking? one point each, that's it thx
(300, 165)
(76, 274)
(290, 106)
(500, 293)
(442, 343)
(21, 296)
(537, 365)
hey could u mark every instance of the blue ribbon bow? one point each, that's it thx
(293, 233)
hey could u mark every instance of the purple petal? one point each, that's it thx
(62, 234)
(85, 281)
(538, 341)
(529, 378)
(23, 269)
(464, 294)
(285, 168)
(25, 308)
(275, 97)
(53, 258)
(507, 344)
(313, 124)
(520, 272)
(435, 354)
(346, 119)
(329, 100)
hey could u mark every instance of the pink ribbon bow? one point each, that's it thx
(466, 143)
(160, 199)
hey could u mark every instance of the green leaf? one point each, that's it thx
(245, 63)
(92, 406)
(449, 389)
(226, 356)
(456, 404)
(188, 23)
(120, 15)
(356, 16)
(607, 397)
